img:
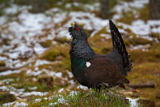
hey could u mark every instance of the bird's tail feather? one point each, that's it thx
(118, 45)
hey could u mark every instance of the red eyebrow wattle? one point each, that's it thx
(78, 28)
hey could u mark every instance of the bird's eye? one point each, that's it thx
(78, 29)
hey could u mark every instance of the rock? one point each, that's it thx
(146, 102)
(6, 97)
(46, 81)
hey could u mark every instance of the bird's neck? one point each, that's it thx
(81, 49)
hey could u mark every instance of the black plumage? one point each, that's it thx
(94, 70)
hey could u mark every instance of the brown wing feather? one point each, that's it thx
(103, 70)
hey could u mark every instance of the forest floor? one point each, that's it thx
(35, 63)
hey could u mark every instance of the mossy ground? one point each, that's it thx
(89, 98)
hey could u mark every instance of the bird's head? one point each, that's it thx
(77, 31)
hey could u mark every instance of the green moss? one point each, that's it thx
(138, 40)
(156, 35)
(2, 64)
(139, 56)
(46, 43)
(112, 3)
(62, 66)
(126, 42)
(55, 51)
(142, 41)
(6, 97)
(155, 50)
(127, 18)
(85, 99)
(144, 13)
(106, 50)
(50, 55)
(66, 64)
(97, 50)
(62, 39)
(146, 72)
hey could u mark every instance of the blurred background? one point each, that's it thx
(34, 45)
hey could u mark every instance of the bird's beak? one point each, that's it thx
(72, 24)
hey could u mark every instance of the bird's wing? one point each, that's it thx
(102, 70)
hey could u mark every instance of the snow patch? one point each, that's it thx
(133, 101)
(25, 94)
(59, 74)
(82, 87)
(41, 62)
(9, 72)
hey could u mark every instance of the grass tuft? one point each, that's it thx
(89, 98)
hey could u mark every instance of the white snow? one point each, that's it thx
(21, 50)
(7, 88)
(37, 72)
(33, 22)
(9, 72)
(33, 73)
(3, 58)
(20, 104)
(41, 62)
(37, 100)
(73, 93)
(38, 48)
(32, 88)
(68, 5)
(34, 93)
(61, 90)
(71, 82)
(9, 104)
(140, 28)
(58, 74)
(3, 19)
(107, 36)
(82, 87)
(70, 74)
(14, 9)
(137, 47)
(127, 6)
(76, 4)
(133, 102)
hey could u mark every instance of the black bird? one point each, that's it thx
(94, 70)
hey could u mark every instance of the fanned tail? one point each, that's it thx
(118, 46)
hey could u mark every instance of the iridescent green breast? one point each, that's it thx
(77, 63)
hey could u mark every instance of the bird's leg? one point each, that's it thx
(99, 90)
